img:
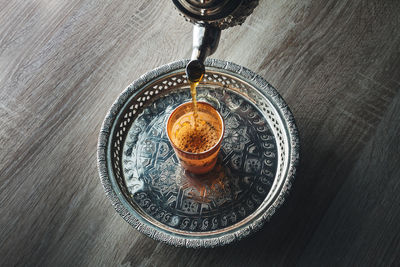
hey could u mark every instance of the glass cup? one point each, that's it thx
(196, 141)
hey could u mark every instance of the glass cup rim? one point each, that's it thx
(203, 152)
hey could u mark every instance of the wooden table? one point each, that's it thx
(63, 63)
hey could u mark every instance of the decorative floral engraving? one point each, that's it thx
(128, 173)
(159, 185)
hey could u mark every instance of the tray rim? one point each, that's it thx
(197, 241)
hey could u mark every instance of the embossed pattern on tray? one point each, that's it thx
(233, 190)
(142, 177)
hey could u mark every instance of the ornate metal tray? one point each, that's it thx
(146, 184)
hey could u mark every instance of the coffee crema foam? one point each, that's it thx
(194, 138)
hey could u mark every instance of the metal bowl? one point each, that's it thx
(142, 176)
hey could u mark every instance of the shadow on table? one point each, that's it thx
(331, 144)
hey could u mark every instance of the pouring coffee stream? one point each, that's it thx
(209, 18)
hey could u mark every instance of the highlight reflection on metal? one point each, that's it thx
(145, 182)
(218, 13)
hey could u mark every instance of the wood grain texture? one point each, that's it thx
(63, 63)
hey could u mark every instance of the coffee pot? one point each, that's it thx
(209, 18)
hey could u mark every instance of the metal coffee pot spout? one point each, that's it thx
(205, 42)
(209, 18)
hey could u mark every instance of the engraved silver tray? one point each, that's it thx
(147, 186)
